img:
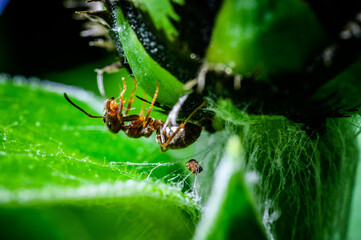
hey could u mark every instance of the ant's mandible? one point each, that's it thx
(171, 134)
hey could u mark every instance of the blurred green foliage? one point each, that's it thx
(252, 35)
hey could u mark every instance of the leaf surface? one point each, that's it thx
(63, 176)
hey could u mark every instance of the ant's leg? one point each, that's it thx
(164, 145)
(203, 119)
(151, 105)
(143, 107)
(131, 99)
(121, 101)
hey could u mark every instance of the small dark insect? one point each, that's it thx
(194, 167)
(171, 134)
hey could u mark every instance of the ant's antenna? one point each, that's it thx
(67, 98)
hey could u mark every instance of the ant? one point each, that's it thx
(171, 134)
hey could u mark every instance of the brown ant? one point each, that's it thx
(171, 134)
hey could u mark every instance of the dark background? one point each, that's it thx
(40, 38)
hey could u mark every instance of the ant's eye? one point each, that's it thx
(109, 125)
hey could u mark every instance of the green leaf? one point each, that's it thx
(63, 176)
(145, 69)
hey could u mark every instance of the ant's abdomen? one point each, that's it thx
(185, 137)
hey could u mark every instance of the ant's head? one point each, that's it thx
(110, 117)
(112, 110)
